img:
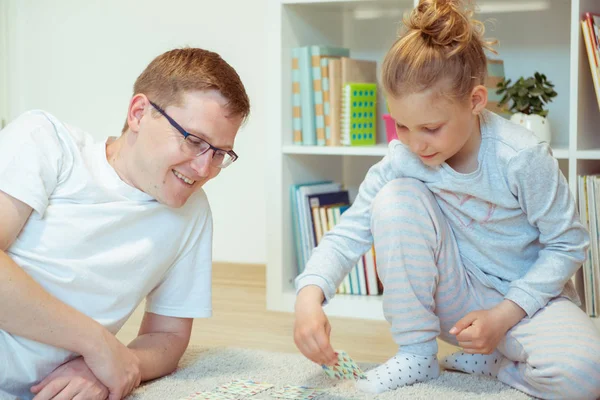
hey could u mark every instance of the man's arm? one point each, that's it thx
(160, 344)
(35, 314)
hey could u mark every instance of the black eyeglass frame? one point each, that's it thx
(185, 134)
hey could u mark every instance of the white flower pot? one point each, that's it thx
(539, 125)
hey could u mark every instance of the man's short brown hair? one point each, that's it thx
(178, 71)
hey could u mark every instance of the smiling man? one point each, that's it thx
(91, 229)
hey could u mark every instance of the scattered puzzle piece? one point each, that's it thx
(209, 396)
(297, 392)
(345, 368)
(240, 388)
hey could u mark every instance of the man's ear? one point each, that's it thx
(479, 99)
(137, 105)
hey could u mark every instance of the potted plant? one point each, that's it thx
(529, 97)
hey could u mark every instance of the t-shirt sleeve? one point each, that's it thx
(185, 291)
(31, 159)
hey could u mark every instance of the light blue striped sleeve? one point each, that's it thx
(341, 247)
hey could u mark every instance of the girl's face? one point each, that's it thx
(437, 129)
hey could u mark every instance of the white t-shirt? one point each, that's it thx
(94, 242)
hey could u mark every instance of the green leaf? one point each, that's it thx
(503, 101)
(536, 92)
(522, 92)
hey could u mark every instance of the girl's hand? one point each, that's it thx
(311, 327)
(481, 331)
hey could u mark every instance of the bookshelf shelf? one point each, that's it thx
(381, 150)
(377, 150)
(345, 306)
(547, 40)
(592, 154)
(560, 153)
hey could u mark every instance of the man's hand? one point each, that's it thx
(479, 332)
(312, 328)
(115, 365)
(72, 380)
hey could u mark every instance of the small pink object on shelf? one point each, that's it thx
(390, 127)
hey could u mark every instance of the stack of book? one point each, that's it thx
(316, 209)
(320, 76)
(589, 196)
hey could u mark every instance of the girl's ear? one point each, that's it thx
(479, 99)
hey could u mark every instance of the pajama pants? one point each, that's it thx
(555, 354)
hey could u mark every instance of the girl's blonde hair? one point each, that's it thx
(441, 42)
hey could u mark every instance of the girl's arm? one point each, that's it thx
(544, 195)
(340, 248)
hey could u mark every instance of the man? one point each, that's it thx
(88, 230)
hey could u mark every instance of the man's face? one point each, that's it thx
(163, 167)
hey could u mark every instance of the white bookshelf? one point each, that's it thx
(540, 35)
(3, 63)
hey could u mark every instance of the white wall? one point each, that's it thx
(79, 59)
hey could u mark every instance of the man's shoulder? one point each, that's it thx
(196, 211)
(197, 205)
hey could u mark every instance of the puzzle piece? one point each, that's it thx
(345, 368)
(297, 392)
(240, 388)
(209, 396)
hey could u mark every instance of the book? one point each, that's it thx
(359, 111)
(305, 215)
(359, 71)
(302, 217)
(317, 54)
(326, 97)
(589, 29)
(296, 105)
(332, 131)
(307, 101)
(341, 71)
(317, 202)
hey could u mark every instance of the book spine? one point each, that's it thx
(326, 99)
(296, 102)
(345, 117)
(307, 102)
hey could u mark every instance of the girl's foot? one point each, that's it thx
(481, 364)
(401, 370)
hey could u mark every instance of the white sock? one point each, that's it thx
(400, 370)
(481, 364)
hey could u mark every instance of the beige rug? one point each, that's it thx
(203, 370)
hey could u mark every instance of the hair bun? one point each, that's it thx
(446, 23)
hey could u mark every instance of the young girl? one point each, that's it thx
(475, 230)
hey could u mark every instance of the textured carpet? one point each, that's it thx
(204, 370)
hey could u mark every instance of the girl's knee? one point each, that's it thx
(574, 377)
(402, 193)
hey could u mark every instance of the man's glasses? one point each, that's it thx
(195, 146)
